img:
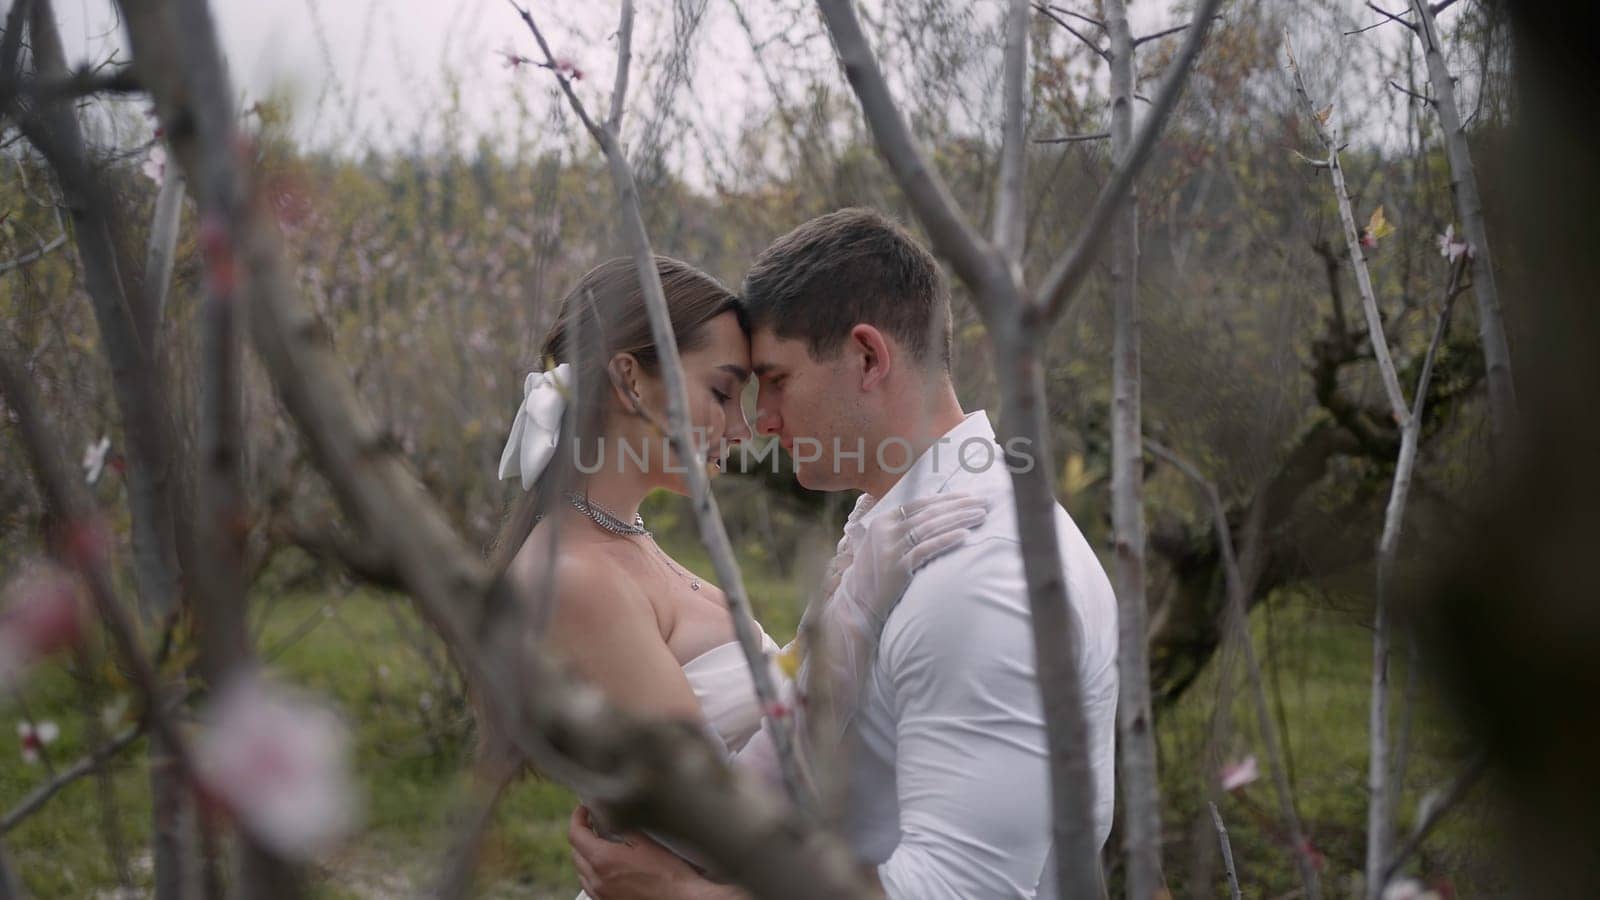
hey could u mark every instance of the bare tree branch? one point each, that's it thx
(1080, 17)
(1410, 93)
(1389, 16)
(1074, 138)
(1140, 41)
(1087, 42)
(1227, 851)
(953, 237)
(1009, 205)
(35, 255)
(1358, 260)
(619, 90)
(1469, 207)
(85, 766)
(1066, 276)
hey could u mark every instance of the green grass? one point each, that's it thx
(1318, 678)
(354, 651)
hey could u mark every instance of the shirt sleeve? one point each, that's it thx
(971, 763)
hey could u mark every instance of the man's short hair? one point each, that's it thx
(854, 266)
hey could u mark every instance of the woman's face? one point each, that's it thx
(715, 375)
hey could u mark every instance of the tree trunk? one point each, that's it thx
(1469, 206)
(1141, 816)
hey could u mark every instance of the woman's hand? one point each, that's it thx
(874, 564)
(881, 554)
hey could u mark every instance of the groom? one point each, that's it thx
(948, 781)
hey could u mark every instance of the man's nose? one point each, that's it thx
(767, 420)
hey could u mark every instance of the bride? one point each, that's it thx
(655, 638)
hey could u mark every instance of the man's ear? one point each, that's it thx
(625, 372)
(875, 354)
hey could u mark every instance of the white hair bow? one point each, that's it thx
(537, 425)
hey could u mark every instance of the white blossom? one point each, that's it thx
(1450, 246)
(35, 739)
(94, 460)
(155, 165)
(279, 761)
(1408, 889)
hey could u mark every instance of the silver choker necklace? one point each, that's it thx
(610, 522)
(605, 518)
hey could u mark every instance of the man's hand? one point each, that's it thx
(637, 868)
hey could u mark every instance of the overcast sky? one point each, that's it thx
(365, 72)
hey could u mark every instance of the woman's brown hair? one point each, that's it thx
(604, 315)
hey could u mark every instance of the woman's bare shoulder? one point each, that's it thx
(588, 587)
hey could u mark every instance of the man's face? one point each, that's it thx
(812, 407)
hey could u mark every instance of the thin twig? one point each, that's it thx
(26, 258)
(1389, 16)
(1087, 42)
(1227, 851)
(1074, 138)
(1314, 163)
(1405, 90)
(84, 766)
(1452, 797)
(1140, 41)
(1098, 23)
(1066, 277)
(1358, 261)
(952, 235)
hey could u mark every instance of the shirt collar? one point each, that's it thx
(941, 462)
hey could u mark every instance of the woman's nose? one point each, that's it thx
(739, 427)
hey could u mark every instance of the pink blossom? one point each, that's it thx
(43, 614)
(569, 68)
(278, 761)
(34, 740)
(1311, 853)
(1239, 774)
(512, 60)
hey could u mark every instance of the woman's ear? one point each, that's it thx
(875, 354)
(625, 372)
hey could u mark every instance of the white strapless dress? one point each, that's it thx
(721, 682)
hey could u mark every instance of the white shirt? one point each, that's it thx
(949, 775)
